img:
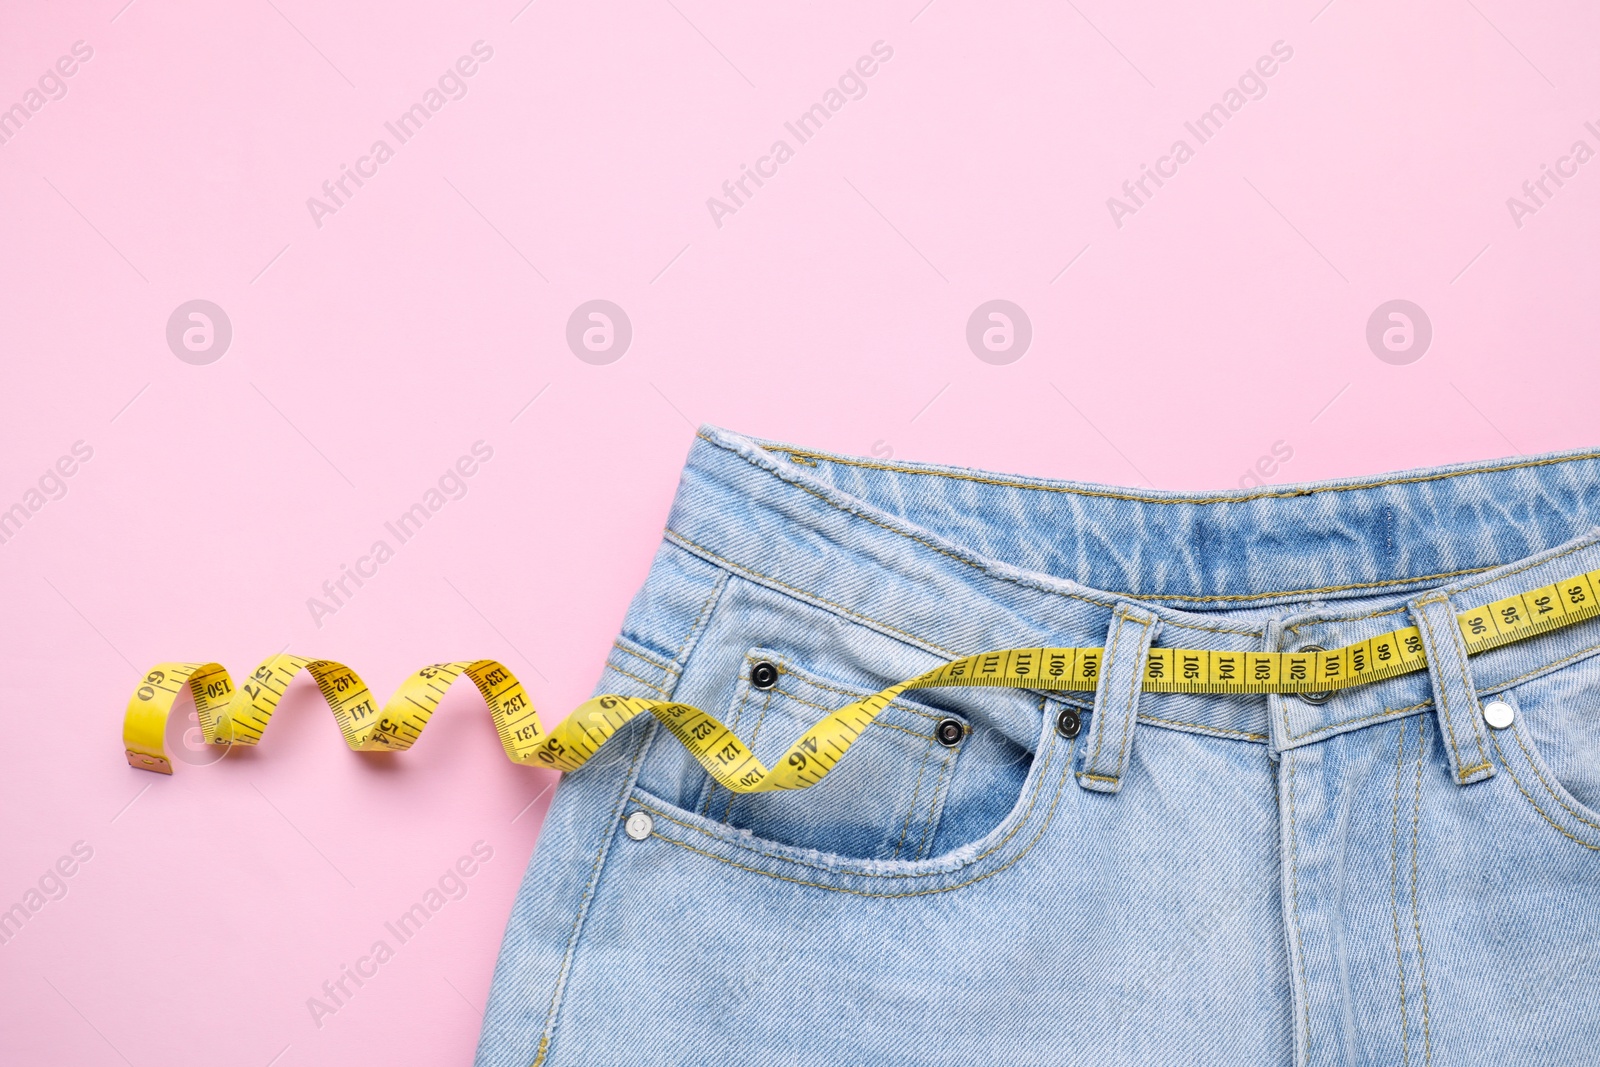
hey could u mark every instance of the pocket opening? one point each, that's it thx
(883, 800)
(1533, 753)
(1044, 800)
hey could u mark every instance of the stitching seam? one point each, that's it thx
(761, 717)
(717, 587)
(1550, 789)
(1558, 827)
(1547, 667)
(1394, 894)
(1563, 554)
(1359, 718)
(1130, 716)
(1587, 542)
(1396, 582)
(752, 574)
(1299, 937)
(1027, 848)
(802, 594)
(1196, 500)
(1474, 716)
(911, 638)
(712, 785)
(635, 677)
(636, 654)
(685, 542)
(1037, 786)
(1490, 687)
(1443, 688)
(935, 807)
(1229, 499)
(1174, 596)
(911, 810)
(942, 551)
(588, 894)
(1320, 619)
(1206, 729)
(1416, 913)
(1105, 677)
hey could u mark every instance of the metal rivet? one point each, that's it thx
(763, 675)
(639, 825)
(949, 732)
(1499, 714)
(1068, 723)
(1314, 698)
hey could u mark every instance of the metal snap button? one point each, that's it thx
(639, 825)
(1068, 723)
(1314, 698)
(949, 733)
(1499, 714)
(763, 675)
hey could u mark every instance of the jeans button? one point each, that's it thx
(639, 825)
(1068, 723)
(1499, 714)
(763, 675)
(1314, 698)
(949, 733)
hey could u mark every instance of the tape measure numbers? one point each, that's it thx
(230, 716)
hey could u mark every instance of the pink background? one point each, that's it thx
(1224, 317)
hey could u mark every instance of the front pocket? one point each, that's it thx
(1552, 751)
(1044, 797)
(882, 801)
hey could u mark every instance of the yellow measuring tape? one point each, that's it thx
(230, 716)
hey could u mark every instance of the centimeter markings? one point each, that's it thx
(1526, 614)
(230, 716)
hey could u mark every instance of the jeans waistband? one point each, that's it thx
(958, 561)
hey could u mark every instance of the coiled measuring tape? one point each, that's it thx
(230, 716)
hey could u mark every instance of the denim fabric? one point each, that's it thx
(1378, 879)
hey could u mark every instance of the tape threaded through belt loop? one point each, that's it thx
(1116, 698)
(1455, 698)
(1439, 642)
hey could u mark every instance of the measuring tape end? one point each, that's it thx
(146, 762)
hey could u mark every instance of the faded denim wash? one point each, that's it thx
(1239, 880)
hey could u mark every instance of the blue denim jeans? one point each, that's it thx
(1380, 878)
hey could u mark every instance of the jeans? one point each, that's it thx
(1377, 878)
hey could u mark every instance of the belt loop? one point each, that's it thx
(1455, 698)
(1279, 735)
(1116, 698)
